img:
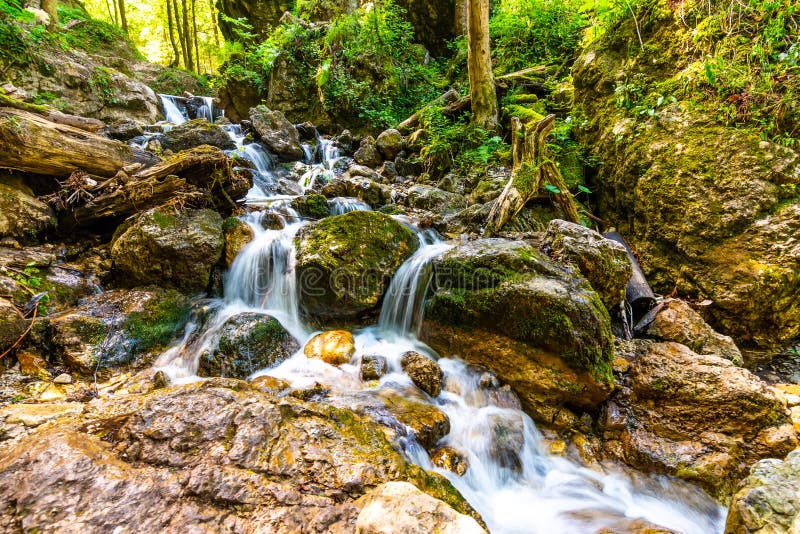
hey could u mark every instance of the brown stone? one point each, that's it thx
(335, 347)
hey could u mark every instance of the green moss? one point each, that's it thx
(161, 320)
(164, 220)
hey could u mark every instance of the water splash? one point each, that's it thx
(342, 205)
(173, 113)
(206, 111)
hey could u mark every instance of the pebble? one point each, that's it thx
(63, 378)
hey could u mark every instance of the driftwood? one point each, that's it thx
(532, 169)
(32, 143)
(638, 292)
(82, 123)
(198, 177)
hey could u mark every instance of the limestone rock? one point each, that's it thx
(768, 500)
(678, 322)
(248, 342)
(389, 143)
(603, 262)
(366, 190)
(196, 133)
(402, 507)
(12, 324)
(451, 459)
(373, 366)
(22, 216)
(368, 154)
(347, 262)
(427, 422)
(698, 417)
(424, 372)
(335, 347)
(277, 133)
(32, 364)
(430, 198)
(237, 235)
(169, 249)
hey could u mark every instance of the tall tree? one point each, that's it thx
(194, 34)
(51, 8)
(187, 36)
(181, 35)
(479, 65)
(122, 16)
(171, 29)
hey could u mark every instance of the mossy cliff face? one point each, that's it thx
(696, 198)
(541, 328)
(345, 263)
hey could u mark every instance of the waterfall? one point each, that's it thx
(206, 111)
(172, 113)
(342, 205)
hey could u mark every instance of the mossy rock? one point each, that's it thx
(345, 263)
(22, 216)
(196, 133)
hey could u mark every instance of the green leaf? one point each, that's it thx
(552, 189)
(584, 189)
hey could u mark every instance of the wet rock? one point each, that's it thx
(424, 372)
(124, 130)
(33, 415)
(168, 249)
(451, 459)
(373, 366)
(313, 206)
(389, 143)
(346, 262)
(402, 507)
(603, 262)
(115, 328)
(32, 364)
(196, 133)
(427, 422)
(277, 133)
(507, 437)
(366, 190)
(12, 325)
(346, 142)
(160, 380)
(698, 417)
(678, 322)
(388, 170)
(768, 500)
(22, 216)
(237, 235)
(63, 378)
(368, 154)
(427, 197)
(248, 342)
(539, 327)
(335, 347)
(204, 457)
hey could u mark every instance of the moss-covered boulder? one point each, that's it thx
(22, 216)
(277, 133)
(431, 198)
(603, 262)
(247, 343)
(168, 249)
(196, 133)
(12, 324)
(707, 204)
(345, 263)
(237, 235)
(362, 188)
(115, 328)
(313, 206)
(538, 326)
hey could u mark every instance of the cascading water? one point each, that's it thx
(342, 205)
(172, 113)
(206, 111)
(522, 489)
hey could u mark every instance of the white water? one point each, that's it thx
(544, 494)
(206, 111)
(342, 205)
(172, 112)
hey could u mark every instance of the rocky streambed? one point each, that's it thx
(258, 328)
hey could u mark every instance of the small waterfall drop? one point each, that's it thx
(172, 113)
(206, 111)
(342, 205)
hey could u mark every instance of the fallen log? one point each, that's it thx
(32, 143)
(638, 292)
(412, 123)
(202, 176)
(532, 169)
(82, 123)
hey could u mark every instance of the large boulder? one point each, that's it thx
(215, 456)
(247, 342)
(427, 197)
(22, 216)
(402, 507)
(345, 263)
(390, 143)
(707, 206)
(768, 500)
(698, 417)
(334, 348)
(169, 249)
(362, 188)
(603, 262)
(114, 328)
(277, 133)
(538, 326)
(196, 133)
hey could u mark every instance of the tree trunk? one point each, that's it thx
(214, 27)
(171, 29)
(32, 143)
(122, 16)
(187, 36)
(532, 170)
(181, 36)
(194, 34)
(479, 66)
(51, 8)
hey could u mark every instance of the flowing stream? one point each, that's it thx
(518, 487)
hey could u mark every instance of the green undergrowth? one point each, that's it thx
(159, 322)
